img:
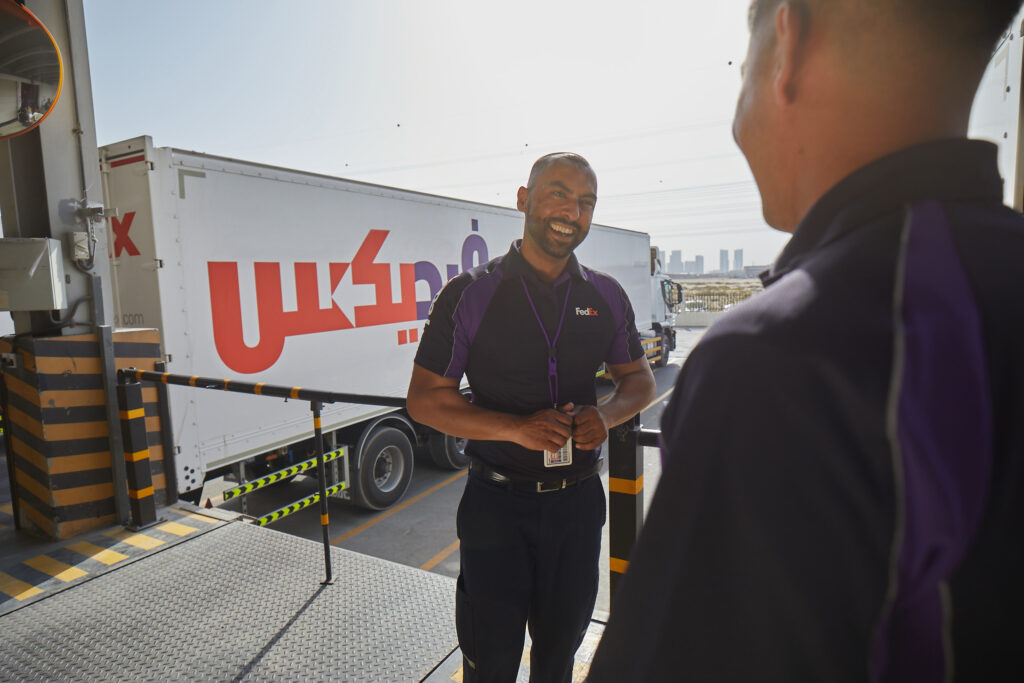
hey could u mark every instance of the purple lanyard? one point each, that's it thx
(552, 356)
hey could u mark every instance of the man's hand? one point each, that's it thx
(545, 430)
(589, 429)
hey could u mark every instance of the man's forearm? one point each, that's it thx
(448, 411)
(632, 394)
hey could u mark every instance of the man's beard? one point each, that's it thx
(541, 232)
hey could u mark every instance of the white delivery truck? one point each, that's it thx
(996, 112)
(270, 275)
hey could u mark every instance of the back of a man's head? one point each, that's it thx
(968, 28)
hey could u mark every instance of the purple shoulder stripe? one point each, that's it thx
(940, 429)
(469, 311)
(622, 313)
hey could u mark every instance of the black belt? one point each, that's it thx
(481, 470)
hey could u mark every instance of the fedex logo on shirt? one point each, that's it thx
(586, 311)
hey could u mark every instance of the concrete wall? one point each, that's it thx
(696, 318)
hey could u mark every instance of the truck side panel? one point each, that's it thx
(290, 278)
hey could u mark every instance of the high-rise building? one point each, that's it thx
(737, 259)
(723, 260)
(675, 262)
(699, 269)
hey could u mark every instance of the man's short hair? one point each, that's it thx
(541, 164)
(973, 25)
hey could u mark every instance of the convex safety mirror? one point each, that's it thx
(31, 72)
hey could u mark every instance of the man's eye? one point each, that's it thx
(559, 193)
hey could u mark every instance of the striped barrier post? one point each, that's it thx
(625, 496)
(141, 501)
(321, 476)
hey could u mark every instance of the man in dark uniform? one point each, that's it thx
(843, 488)
(529, 330)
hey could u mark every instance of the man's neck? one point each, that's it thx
(547, 267)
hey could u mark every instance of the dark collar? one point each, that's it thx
(516, 265)
(956, 170)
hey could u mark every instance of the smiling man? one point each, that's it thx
(843, 490)
(531, 515)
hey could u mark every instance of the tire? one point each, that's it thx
(385, 469)
(448, 452)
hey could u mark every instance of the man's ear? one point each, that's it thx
(521, 198)
(792, 22)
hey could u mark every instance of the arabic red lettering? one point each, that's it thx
(366, 272)
(274, 322)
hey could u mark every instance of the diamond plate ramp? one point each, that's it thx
(239, 603)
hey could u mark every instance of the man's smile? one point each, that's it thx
(567, 229)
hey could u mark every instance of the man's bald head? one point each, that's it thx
(547, 160)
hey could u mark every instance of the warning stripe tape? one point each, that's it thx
(281, 474)
(298, 505)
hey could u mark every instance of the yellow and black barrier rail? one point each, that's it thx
(261, 388)
(625, 492)
(281, 475)
(316, 398)
(298, 505)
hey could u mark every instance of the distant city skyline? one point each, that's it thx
(675, 262)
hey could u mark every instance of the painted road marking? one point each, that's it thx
(104, 555)
(7, 508)
(137, 540)
(437, 559)
(56, 568)
(200, 518)
(17, 589)
(384, 515)
(177, 529)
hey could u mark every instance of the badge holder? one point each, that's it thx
(561, 457)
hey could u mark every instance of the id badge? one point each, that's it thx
(561, 457)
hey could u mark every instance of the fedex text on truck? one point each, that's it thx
(276, 323)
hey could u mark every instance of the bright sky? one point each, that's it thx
(452, 97)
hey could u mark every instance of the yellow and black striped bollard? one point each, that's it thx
(625, 496)
(136, 452)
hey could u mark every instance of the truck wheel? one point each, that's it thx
(385, 469)
(448, 452)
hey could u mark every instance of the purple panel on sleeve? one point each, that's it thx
(468, 313)
(944, 430)
(622, 313)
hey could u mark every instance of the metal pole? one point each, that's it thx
(321, 476)
(167, 437)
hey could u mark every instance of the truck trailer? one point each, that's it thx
(284, 277)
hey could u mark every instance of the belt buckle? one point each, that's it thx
(557, 487)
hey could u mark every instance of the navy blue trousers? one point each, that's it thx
(527, 559)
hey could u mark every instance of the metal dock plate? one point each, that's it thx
(239, 603)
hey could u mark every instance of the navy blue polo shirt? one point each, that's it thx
(486, 324)
(842, 497)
